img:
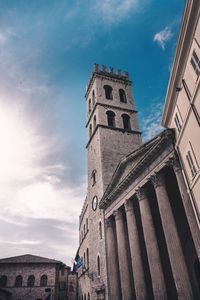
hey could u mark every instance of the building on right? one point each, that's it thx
(182, 104)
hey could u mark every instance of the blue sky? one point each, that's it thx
(47, 51)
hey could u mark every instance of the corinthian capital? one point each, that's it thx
(157, 179)
(117, 214)
(140, 193)
(175, 163)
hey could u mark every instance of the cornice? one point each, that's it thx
(105, 105)
(111, 128)
(166, 138)
(186, 36)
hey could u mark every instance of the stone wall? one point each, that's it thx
(25, 270)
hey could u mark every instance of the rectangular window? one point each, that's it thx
(177, 122)
(195, 62)
(191, 163)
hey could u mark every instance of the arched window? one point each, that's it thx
(108, 92)
(122, 96)
(98, 266)
(31, 280)
(89, 106)
(94, 177)
(87, 254)
(85, 297)
(126, 122)
(88, 296)
(111, 118)
(87, 224)
(94, 122)
(3, 281)
(18, 281)
(100, 230)
(43, 280)
(90, 130)
(93, 98)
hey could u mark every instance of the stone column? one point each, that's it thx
(191, 218)
(123, 257)
(158, 282)
(112, 262)
(136, 258)
(176, 257)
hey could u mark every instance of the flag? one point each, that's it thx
(77, 264)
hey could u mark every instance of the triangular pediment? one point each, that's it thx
(133, 160)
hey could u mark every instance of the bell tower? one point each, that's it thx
(112, 134)
(111, 123)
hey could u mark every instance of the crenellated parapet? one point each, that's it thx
(107, 72)
(110, 71)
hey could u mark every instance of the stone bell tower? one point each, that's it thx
(112, 134)
(111, 123)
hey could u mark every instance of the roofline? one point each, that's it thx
(186, 35)
(8, 260)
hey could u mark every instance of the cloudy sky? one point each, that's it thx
(47, 50)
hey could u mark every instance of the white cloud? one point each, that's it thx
(114, 11)
(36, 198)
(151, 121)
(163, 37)
(32, 188)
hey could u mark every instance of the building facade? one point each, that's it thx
(139, 238)
(33, 277)
(182, 104)
(152, 243)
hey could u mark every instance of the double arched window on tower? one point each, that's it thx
(100, 230)
(111, 118)
(90, 130)
(126, 122)
(98, 266)
(94, 177)
(94, 122)
(122, 96)
(87, 256)
(93, 98)
(89, 106)
(108, 92)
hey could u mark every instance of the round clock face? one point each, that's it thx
(94, 203)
